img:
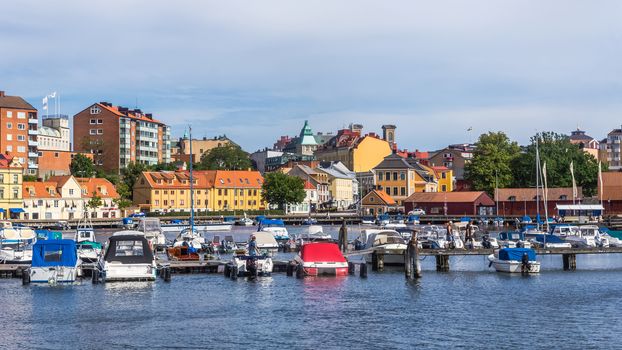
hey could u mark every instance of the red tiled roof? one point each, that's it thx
(309, 186)
(35, 189)
(529, 194)
(450, 197)
(130, 113)
(97, 186)
(238, 179)
(382, 195)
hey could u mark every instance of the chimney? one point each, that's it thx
(1, 93)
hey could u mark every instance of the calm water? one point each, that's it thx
(468, 307)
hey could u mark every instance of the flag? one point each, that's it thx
(574, 183)
(545, 184)
(45, 103)
(600, 180)
(53, 95)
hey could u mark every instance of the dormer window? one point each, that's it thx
(563, 197)
(512, 198)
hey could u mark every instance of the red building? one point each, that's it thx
(524, 201)
(451, 203)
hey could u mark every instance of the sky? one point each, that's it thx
(255, 70)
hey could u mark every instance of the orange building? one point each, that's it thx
(56, 162)
(18, 131)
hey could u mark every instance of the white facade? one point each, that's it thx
(311, 199)
(54, 134)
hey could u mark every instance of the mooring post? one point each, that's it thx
(380, 259)
(343, 237)
(408, 262)
(374, 261)
(415, 257)
(442, 263)
(570, 262)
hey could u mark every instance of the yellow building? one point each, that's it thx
(445, 178)
(400, 177)
(11, 203)
(165, 191)
(358, 153)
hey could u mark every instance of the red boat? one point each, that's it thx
(321, 258)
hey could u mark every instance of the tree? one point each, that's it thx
(82, 166)
(29, 178)
(282, 189)
(95, 202)
(558, 152)
(228, 157)
(491, 163)
(130, 173)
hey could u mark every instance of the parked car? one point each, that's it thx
(416, 211)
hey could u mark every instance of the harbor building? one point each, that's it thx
(214, 190)
(528, 201)
(611, 153)
(342, 184)
(308, 205)
(378, 202)
(180, 150)
(116, 136)
(359, 153)
(455, 158)
(66, 198)
(587, 143)
(18, 131)
(11, 176)
(451, 203)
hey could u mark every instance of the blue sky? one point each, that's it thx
(256, 70)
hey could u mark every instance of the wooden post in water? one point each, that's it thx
(442, 263)
(343, 237)
(570, 262)
(411, 260)
(377, 261)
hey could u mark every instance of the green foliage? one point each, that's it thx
(82, 166)
(163, 166)
(129, 175)
(29, 178)
(491, 162)
(229, 157)
(95, 202)
(282, 189)
(113, 178)
(557, 151)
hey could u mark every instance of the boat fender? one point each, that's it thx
(363, 272)
(300, 273)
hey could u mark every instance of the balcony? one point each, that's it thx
(33, 166)
(33, 132)
(33, 154)
(33, 121)
(32, 143)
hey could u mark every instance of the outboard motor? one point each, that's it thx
(525, 265)
(251, 267)
(486, 243)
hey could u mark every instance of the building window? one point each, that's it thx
(395, 191)
(395, 176)
(443, 188)
(21, 115)
(9, 125)
(9, 114)
(100, 121)
(21, 138)
(21, 126)
(56, 204)
(21, 149)
(95, 110)
(181, 202)
(156, 202)
(93, 132)
(403, 191)
(93, 121)
(71, 191)
(443, 175)
(512, 198)
(15, 179)
(402, 176)
(10, 148)
(9, 137)
(387, 176)
(165, 202)
(15, 193)
(100, 131)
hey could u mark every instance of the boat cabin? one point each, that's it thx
(127, 248)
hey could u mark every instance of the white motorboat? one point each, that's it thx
(242, 265)
(389, 243)
(549, 242)
(515, 260)
(368, 220)
(244, 221)
(276, 227)
(266, 243)
(592, 233)
(89, 250)
(573, 235)
(191, 238)
(54, 261)
(128, 257)
(315, 233)
(512, 239)
(16, 243)
(152, 230)
(203, 227)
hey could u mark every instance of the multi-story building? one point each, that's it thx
(213, 190)
(180, 150)
(342, 184)
(18, 131)
(316, 178)
(54, 146)
(358, 152)
(610, 148)
(587, 143)
(308, 205)
(260, 157)
(117, 136)
(11, 171)
(401, 177)
(305, 144)
(455, 158)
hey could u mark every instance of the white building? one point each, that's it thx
(66, 198)
(54, 134)
(309, 204)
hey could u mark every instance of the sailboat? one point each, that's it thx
(89, 249)
(189, 243)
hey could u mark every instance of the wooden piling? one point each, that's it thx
(570, 262)
(442, 262)
(411, 260)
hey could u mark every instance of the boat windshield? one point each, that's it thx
(149, 225)
(384, 238)
(53, 255)
(85, 234)
(129, 248)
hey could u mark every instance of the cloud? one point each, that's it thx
(256, 70)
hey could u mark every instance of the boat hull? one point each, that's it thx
(325, 268)
(514, 266)
(53, 275)
(129, 272)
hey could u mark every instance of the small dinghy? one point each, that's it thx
(251, 266)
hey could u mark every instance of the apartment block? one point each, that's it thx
(18, 131)
(116, 136)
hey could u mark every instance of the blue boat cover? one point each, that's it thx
(526, 218)
(127, 221)
(549, 239)
(48, 234)
(516, 254)
(272, 222)
(465, 219)
(54, 252)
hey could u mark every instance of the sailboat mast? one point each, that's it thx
(191, 182)
(537, 183)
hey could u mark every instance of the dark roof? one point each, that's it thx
(451, 197)
(394, 161)
(15, 102)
